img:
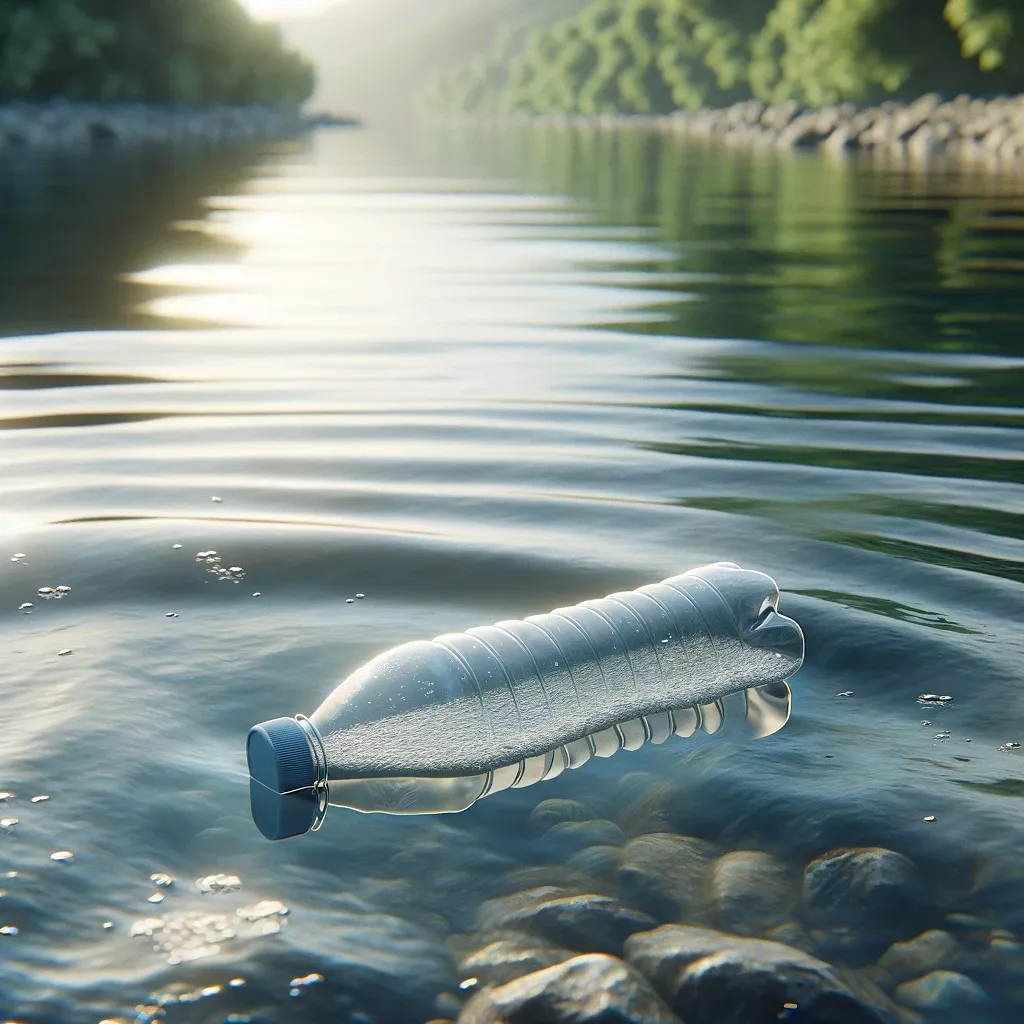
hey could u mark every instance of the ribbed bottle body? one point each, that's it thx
(493, 697)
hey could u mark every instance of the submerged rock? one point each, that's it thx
(507, 959)
(553, 812)
(570, 836)
(863, 888)
(710, 977)
(592, 989)
(941, 991)
(751, 891)
(929, 951)
(588, 923)
(596, 861)
(667, 875)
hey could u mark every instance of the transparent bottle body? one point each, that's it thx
(434, 726)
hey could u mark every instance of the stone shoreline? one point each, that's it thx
(62, 124)
(978, 132)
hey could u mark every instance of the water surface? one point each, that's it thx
(475, 376)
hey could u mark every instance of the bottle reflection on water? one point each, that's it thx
(434, 726)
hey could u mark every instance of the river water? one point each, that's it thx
(475, 376)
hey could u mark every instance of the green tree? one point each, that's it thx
(192, 51)
(653, 56)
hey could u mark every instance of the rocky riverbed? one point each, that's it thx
(660, 928)
(64, 124)
(979, 132)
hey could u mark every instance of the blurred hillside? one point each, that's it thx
(187, 51)
(655, 56)
(373, 56)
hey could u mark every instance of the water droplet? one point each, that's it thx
(216, 500)
(359, 597)
(107, 925)
(65, 652)
(41, 799)
(468, 984)
(930, 817)
(350, 600)
(926, 724)
(4, 797)
(62, 857)
(8, 822)
(295, 992)
(944, 735)
(1007, 747)
(26, 606)
(257, 594)
(8, 929)
(162, 880)
(18, 554)
(62, 590)
(933, 698)
(157, 897)
(845, 693)
(236, 983)
(46, 593)
(210, 990)
(176, 547)
(170, 615)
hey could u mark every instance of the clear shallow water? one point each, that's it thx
(475, 377)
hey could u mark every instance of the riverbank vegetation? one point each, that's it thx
(183, 51)
(655, 56)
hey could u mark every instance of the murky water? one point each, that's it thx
(473, 377)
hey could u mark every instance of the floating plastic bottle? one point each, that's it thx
(433, 726)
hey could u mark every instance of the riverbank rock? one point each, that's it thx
(507, 959)
(591, 989)
(751, 892)
(589, 923)
(710, 977)
(66, 124)
(667, 876)
(864, 888)
(941, 991)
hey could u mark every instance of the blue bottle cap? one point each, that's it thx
(282, 779)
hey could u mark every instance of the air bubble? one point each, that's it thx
(359, 597)
(162, 880)
(41, 799)
(26, 606)
(176, 547)
(9, 929)
(62, 857)
(157, 897)
(8, 823)
(216, 500)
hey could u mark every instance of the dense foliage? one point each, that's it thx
(190, 51)
(654, 56)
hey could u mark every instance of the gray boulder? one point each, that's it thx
(507, 959)
(751, 892)
(863, 888)
(667, 875)
(941, 991)
(710, 977)
(930, 951)
(590, 989)
(553, 812)
(567, 837)
(588, 923)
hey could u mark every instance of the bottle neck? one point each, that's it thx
(320, 788)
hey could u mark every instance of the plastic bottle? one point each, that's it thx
(433, 726)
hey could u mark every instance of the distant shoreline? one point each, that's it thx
(63, 124)
(979, 132)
